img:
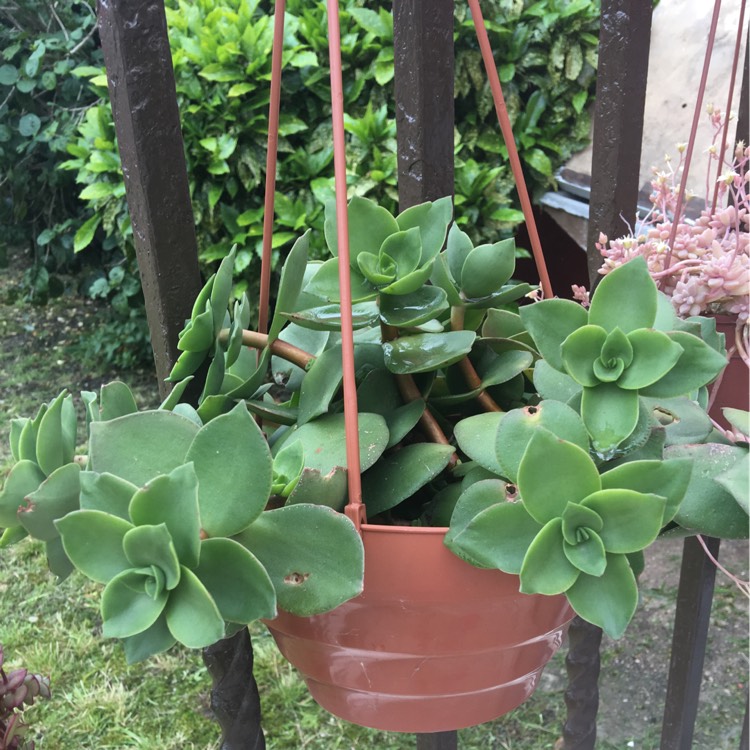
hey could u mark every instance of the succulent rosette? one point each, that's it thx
(614, 353)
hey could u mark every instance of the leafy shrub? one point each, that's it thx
(41, 104)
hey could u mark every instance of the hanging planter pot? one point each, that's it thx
(733, 389)
(431, 644)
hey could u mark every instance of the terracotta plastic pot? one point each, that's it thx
(734, 387)
(432, 644)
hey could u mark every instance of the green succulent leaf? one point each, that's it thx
(424, 352)
(609, 600)
(221, 290)
(398, 476)
(405, 248)
(126, 607)
(117, 400)
(378, 270)
(315, 488)
(580, 353)
(153, 640)
(654, 355)
(476, 436)
(16, 427)
(12, 535)
(550, 322)
(441, 277)
(93, 542)
(328, 317)
(546, 568)
(588, 555)
(432, 219)
(472, 501)
(738, 419)
(245, 595)
(409, 310)
(313, 555)
(145, 546)
(610, 414)
(172, 500)
(198, 334)
(552, 384)
(138, 447)
(456, 252)
(53, 446)
(568, 476)
(369, 225)
(683, 420)
(632, 520)
(625, 298)
(735, 481)
(320, 385)
(290, 284)
(24, 478)
(325, 284)
(192, 615)
(174, 396)
(577, 516)
(187, 363)
(58, 562)
(410, 283)
(487, 268)
(56, 496)
(107, 493)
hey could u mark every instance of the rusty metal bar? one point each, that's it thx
(624, 42)
(147, 123)
(423, 90)
(144, 103)
(694, 599)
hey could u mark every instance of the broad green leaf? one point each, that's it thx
(441, 278)
(520, 425)
(378, 393)
(221, 291)
(625, 298)
(668, 478)
(438, 513)
(12, 535)
(198, 334)
(378, 270)
(487, 268)
(425, 352)
(580, 352)
(474, 499)
(174, 396)
(409, 310)
(203, 297)
(308, 578)
(405, 248)
(93, 542)
(610, 414)
(504, 296)
(410, 283)
(145, 546)
(654, 355)
(85, 234)
(324, 441)
(432, 219)
(58, 562)
(476, 437)
(151, 641)
(138, 447)
(553, 473)
(187, 363)
(550, 322)
(735, 481)
(577, 517)
(552, 384)
(56, 496)
(116, 401)
(126, 608)
(632, 520)
(290, 284)
(320, 385)
(546, 569)
(325, 284)
(318, 489)
(24, 478)
(399, 475)
(609, 600)
(328, 317)
(504, 367)
(245, 595)
(214, 377)
(698, 364)
(587, 555)
(192, 615)
(369, 225)
(502, 324)
(684, 421)
(456, 252)
(739, 419)
(51, 448)
(401, 421)
(173, 501)
(16, 427)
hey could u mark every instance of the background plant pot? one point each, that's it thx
(734, 387)
(432, 644)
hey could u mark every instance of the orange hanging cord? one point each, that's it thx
(355, 510)
(510, 143)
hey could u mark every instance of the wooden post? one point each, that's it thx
(624, 42)
(423, 88)
(144, 104)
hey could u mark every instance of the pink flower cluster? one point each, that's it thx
(708, 270)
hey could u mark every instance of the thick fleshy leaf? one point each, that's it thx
(151, 641)
(409, 283)
(684, 420)
(576, 517)
(617, 346)
(187, 363)
(58, 562)
(610, 414)
(588, 555)
(93, 542)
(198, 334)
(708, 508)
(550, 322)
(24, 478)
(138, 447)
(552, 384)
(174, 396)
(424, 352)
(324, 441)
(398, 476)
(609, 600)
(457, 250)
(432, 218)
(698, 365)
(441, 277)
(249, 387)
(52, 450)
(487, 268)
(502, 324)
(245, 595)
(152, 545)
(328, 317)
(16, 427)
(320, 489)
(378, 392)
(505, 295)
(325, 283)
(668, 478)
(126, 608)
(320, 385)
(738, 419)
(476, 437)
(287, 467)
(413, 309)
(12, 535)
(234, 469)
(172, 500)
(221, 291)
(625, 298)
(369, 225)
(520, 425)
(440, 509)
(402, 421)
(405, 248)
(632, 520)
(378, 270)
(580, 351)
(56, 496)
(497, 535)
(546, 569)
(654, 355)
(735, 481)
(313, 555)
(290, 284)
(192, 615)
(553, 473)
(214, 377)
(472, 500)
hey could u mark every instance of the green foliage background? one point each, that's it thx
(546, 53)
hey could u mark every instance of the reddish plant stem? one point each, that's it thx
(280, 348)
